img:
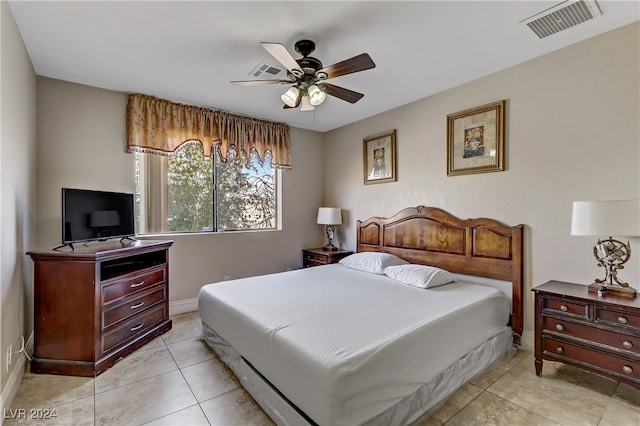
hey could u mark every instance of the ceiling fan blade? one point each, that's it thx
(283, 56)
(342, 93)
(357, 63)
(259, 82)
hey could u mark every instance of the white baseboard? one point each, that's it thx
(15, 378)
(526, 342)
(183, 306)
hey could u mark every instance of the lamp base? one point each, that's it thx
(330, 247)
(612, 290)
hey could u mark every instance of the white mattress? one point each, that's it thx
(344, 345)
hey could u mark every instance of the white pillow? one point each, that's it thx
(419, 275)
(371, 261)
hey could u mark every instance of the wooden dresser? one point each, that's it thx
(598, 333)
(94, 305)
(319, 256)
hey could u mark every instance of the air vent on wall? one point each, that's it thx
(562, 16)
(267, 71)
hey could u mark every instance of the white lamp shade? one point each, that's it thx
(305, 104)
(316, 95)
(606, 218)
(329, 216)
(290, 97)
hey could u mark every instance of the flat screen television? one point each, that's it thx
(89, 215)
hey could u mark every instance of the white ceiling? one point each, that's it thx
(189, 51)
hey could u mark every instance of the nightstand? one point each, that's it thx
(597, 333)
(319, 256)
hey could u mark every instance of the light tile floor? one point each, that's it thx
(177, 380)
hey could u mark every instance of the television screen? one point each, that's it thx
(96, 215)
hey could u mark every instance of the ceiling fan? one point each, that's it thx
(308, 76)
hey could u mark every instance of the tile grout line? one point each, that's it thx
(139, 380)
(185, 380)
(484, 390)
(528, 410)
(464, 406)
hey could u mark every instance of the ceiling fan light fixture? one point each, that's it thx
(305, 104)
(316, 95)
(291, 96)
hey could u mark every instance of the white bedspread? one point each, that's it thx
(345, 345)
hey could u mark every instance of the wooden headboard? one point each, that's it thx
(430, 236)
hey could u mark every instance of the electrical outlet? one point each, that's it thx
(9, 353)
(227, 277)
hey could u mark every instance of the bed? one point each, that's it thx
(346, 344)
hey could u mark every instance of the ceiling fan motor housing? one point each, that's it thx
(309, 65)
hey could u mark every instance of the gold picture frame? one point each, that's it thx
(379, 157)
(475, 140)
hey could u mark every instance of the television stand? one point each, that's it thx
(98, 303)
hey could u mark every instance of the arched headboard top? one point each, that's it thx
(431, 236)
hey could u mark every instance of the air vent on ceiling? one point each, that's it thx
(562, 16)
(265, 71)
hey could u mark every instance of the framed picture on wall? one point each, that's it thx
(475, 140)
(379, 157)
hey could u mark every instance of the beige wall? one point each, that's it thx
(81, 133)
(17, 198)
(572, 133)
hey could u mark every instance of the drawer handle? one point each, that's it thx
(564, 308)
(627, 344)
(137, 327)
(138, 305)
(627, 369)
(134, 285)
(560, 349)
(622, 320)
(559, 327)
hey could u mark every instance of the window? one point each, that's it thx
(189, 192)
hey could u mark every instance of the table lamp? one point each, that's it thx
(601, 218)
(329, 216)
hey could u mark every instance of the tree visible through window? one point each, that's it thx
(190, 190)
(207, 194)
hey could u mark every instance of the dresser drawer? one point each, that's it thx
(113, 290)
(132, 306)
(320, 256)
(618, 318)
(315, 259)
(601, 361)
(564, 307)
(615, 340)
(133, 327)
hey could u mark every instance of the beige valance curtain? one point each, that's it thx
(159, 126)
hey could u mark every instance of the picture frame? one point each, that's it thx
(475, 140)
(379, 157)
